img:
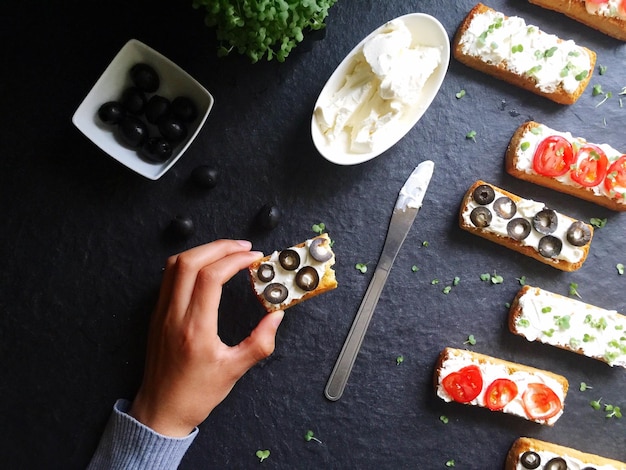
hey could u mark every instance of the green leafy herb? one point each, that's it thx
(497, 279)
(534, 70)
(523, 322)
(450, 463)
(595, 404)
(582, 75)
(425, 243)
(573, 290)
(471, 340)
(261, 29)
(597, 90)
(319, 228)
(607, 95)
(456, 280)
(620, 268)
(485, 277)
(517, 48)
(310, 436)
(612, 411)
(602, 69)
(460, 94)
(399, 360)
(584, 387)
(546, 309)
(550, 52)
(525, 146)
(434, 281)
(361, 267)
(444, 419)
(598, 223)
(522, 280)
(471, 135)
(262, 454)
(562, 322)
(447, 289)
(414, 268)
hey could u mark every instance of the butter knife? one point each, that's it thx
(407, 206)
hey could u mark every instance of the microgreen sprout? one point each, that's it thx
(612, 411)
(602, 69)
(460, 94)
(607, 95)
(399, 360)
(310, 436)
(425, 243)
(584, 387)
(522, 280)
(597, 222)
(414, 268)
(262, 454)
(361, 267)
(446, 290)
(319, 228)
(471, 340)
(456, 280)
(597, 90)
(620, 268)
(595, 404)
(444, 419)
(450, 463)
(434, 282)
(573, 290)
(471, 135)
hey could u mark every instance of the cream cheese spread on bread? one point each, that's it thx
(609, 8)
(526, 51)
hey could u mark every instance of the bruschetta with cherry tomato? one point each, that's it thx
(571, 165)
(476, 379)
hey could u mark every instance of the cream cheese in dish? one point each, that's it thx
(386, 78)
(526, 51)
(530, 141)
(569, 323)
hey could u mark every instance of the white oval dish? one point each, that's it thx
(425, 31)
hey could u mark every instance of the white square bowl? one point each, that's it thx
(174, 82)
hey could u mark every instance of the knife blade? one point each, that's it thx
(407, 206)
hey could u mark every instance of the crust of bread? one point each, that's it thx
(574, 307)
(575, 9)
(327, 282)
(524, 444)
(515, 245)
(510, 161)
(499, 71)
(511, 368)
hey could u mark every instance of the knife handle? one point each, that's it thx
(339, 376)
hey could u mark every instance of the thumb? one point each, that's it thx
(261, 342)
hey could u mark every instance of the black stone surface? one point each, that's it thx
(83, 242)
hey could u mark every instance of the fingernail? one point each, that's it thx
(259, 254)
(277, 317)
(245, 243)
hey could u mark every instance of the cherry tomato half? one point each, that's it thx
(499, 393)
(465, 385)
(540, 402)
(553, 156)
(616, 175)
(591, 166)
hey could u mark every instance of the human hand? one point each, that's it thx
(189, 370)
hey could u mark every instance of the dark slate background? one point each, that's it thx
(82, 247)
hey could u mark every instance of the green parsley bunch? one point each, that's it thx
(263, 28)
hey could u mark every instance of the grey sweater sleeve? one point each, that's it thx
(129, 445)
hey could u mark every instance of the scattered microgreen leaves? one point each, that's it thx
(607, 95)
(456, 280)
(444, 419)
(471, 340)
(414, 268)
(471, 135)
(425, 243)
(597, 222)
(446, 290)
(612, 411)
(573, 290)
(620, 269)
(361, 267)
(450, 463)
(493, 278)
(602, 69)
(595, 404)
(521, 280)
(319, 228)
(460, 94)
(584, 387)
(597, 90)
(310, 436)
(434, 282)
(399, 360)
(262, 454)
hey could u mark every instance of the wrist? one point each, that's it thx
(159, 419)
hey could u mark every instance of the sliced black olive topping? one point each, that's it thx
(530, 460)
(550, 246)
(307, 278)
(590, 468)
(518, 228)
(319, 250)
(578, 234)
(557, 463)
(275, 293)
(504, 207)
(265, 273)
(289, 259)
(545, 221)
(481, 217)
(484, 194)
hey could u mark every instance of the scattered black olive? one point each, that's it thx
(549, 246)
(268, 217)
(518, 228)
(156, 150)
(307, 278)
(134, 100)
(504, 207)
(275, 293)
(132, 131)
(289, 259)
(182, 226)
(265, 273)
(530, 460)
(579, 234)
(481, 217)
(204, 176)
(111, 112)
(172, 129)
(184, 108)
(484, 194)
(557, 463)
(145, 77)
(320, 250)
(545, 221)
(156, 107)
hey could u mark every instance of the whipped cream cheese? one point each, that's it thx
(609, 8)
(572, 462)
(566, 322)
(532, 138)
(527, 51)
(493, 371)
(527, 208)
(387, 76)
(287, 278)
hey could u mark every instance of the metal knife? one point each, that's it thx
(407, 206)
